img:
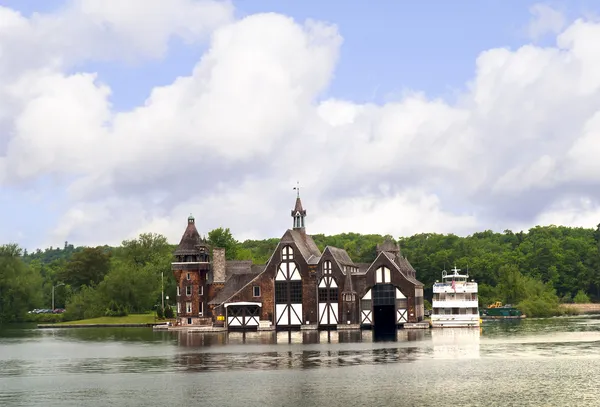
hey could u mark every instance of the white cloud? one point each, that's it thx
(546, 20)
(575, 212)
(229, 141)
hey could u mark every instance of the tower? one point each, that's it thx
(349, 297)
(190, 267)
(298, 213)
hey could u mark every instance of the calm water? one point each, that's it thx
(551, 362)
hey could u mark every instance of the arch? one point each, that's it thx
(328, 297)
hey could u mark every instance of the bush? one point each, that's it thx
(160, 313)
(43, 318)
(116, 310)
(169, 313)
(87, 303)
(581, 298)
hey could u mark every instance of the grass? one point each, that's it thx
(147, 318)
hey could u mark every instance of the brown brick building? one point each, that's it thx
(299, 285)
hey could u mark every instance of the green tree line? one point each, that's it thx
(536, 270)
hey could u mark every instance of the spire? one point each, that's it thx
(190, 239)
(298, 213)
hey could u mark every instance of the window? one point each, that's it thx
(201, 308)
(188, 290)
(281, 294)
(327, 267)
(382, 275)
(188, 307)
(178, 308)
(256, 291)
(178, 290)
(295, 292)
(201, 290)
(189, 276)
(287, 253)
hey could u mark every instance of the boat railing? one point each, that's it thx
(467, 283)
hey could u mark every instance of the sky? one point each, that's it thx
(120, 118)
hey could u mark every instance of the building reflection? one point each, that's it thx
(195, 339)
(207, 352)
(453, 343)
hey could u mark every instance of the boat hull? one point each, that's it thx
(449, 322)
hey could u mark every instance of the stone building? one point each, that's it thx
(299, 285)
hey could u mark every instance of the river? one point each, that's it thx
(534, 362)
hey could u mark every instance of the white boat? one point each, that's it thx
(455, 303)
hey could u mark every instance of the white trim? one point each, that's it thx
(259, 304)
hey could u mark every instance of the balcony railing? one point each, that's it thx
(459, 288)
(196, 265)
(455, 304)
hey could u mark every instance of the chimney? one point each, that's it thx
(218, 265)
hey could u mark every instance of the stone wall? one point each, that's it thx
(218, 265)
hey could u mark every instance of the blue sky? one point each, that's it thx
(388, 48)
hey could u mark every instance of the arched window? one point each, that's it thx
(382, 275)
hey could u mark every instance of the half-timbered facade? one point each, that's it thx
(299, 285)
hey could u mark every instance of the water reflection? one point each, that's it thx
(293, 359)
(455, 343)
(535, 362)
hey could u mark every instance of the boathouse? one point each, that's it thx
(298, 286)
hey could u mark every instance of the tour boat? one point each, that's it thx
(455, 302)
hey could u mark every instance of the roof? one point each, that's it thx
(362, 267)
(401, 264)
(237, 267)
(239, 274)
(340, 255)
(388, 246)
(298, 207)
(190, 241)
(305, 243)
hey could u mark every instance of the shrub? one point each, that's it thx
(116, 310)
(581, 298)
(169, 313)
(160, 313)
(43, 318)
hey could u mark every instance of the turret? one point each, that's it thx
(298, 213)
(190, 267)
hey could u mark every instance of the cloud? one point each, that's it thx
(229, 141)
(545, 20)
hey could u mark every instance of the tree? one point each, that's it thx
(147, 248)
(87, 267)
(581, 298)
(20, 286)
(223, 238)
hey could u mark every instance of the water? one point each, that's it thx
(550, 362)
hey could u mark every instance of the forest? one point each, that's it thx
(537, 270)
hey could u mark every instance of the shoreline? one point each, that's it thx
(139, 325)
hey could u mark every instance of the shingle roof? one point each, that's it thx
(340, 255)
(298, 207)
(305, 244)
(388, 246)
(190, 240)
(239, 274)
